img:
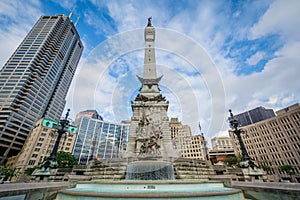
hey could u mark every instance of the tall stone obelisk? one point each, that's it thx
(149, 136)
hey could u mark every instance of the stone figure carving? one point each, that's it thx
(145, 99)
(149, 133)
(143, 126)
(153, 144)
(150, 145)
(143, 149)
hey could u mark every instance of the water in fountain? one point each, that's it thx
(150, 170)
(150, 190)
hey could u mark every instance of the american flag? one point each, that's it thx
(199, 126)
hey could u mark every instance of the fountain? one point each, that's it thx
(149, 170)
(150, 157)
(150, 190)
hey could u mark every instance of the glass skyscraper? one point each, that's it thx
(35, 80)
(98, 139)
(255, 115)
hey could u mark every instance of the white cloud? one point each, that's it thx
(15, 24)
(282, 17)
(222, 134)
(70, 4)
(254, 59)
(275, 87)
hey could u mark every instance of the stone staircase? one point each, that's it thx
(112, 169)
(190, 169)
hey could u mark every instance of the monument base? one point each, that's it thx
(44, 174)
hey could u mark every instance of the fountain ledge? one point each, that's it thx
(150, 195)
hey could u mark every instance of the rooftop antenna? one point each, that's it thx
(71, 13)
(77, 21)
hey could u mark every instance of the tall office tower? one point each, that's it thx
(97, 139)
(35, 80)
(274, 142)
(255, 115)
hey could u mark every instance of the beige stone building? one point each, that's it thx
(190, 146)
(274, 142)
(180, 134)
(221, 149)
(221, 143)
(38, 146)
(196, 149)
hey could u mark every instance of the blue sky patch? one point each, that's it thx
(241, 52)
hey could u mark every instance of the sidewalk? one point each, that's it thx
(12, 189)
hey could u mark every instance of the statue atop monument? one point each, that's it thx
(149, 22)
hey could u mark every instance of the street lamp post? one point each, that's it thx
(62, 127)
(234, 123)
(49, 167)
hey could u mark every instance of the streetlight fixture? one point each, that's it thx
(234, 124)
(62, 127)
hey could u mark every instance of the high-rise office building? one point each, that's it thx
(274, 142)
(98, 139)
(35, 80)
(255, 115)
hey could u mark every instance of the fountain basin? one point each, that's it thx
(149, 190)
(149, 170)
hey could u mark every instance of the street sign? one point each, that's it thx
(49, 123)
(55, 124)
(72, 129)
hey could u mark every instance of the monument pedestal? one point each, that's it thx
(252, 173)
(44, 174)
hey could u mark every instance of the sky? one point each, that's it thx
(214, 55)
